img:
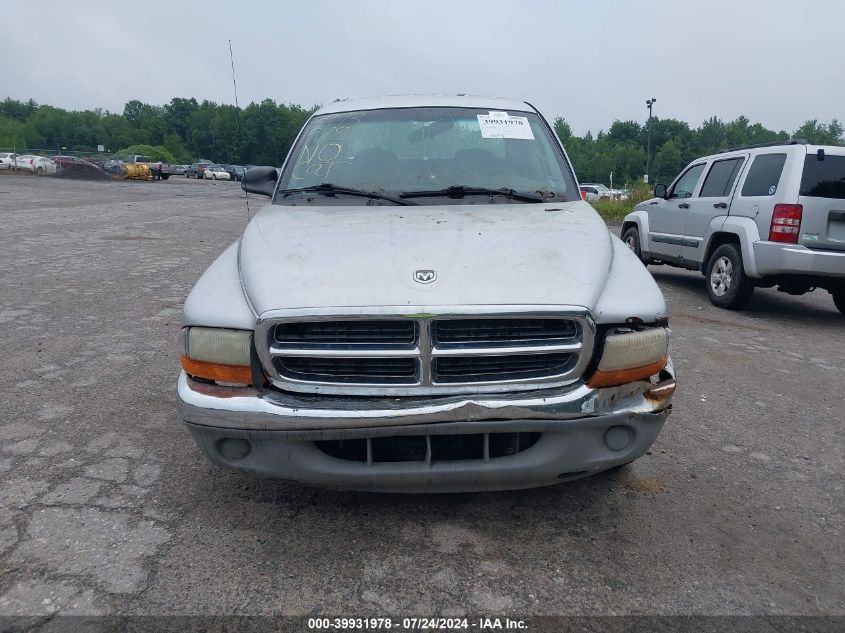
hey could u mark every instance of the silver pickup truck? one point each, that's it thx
(425, 304)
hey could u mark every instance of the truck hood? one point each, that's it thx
(356, 256)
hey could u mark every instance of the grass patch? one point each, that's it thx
(613, 209)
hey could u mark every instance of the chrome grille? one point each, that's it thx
(448, 353)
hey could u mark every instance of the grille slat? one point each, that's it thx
(470, 368)
(318, 333)
(349, 370)
(511, 331)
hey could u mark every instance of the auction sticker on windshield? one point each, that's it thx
(503, 125)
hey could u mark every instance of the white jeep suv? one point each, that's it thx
(765, 215)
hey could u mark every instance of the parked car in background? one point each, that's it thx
(68, 161)
(215, 172)
(195, 170)
(6, 159)
(44, 166)
(236, 172)
(755, 216)
(602, 191)
(75, 167)
(590, 193)
(347, 342)
(21, 162)
(32, 163)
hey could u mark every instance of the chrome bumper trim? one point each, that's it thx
(251, 409)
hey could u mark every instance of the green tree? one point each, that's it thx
(667, 162)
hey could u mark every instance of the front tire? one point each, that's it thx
(727, 284)
(631, 237)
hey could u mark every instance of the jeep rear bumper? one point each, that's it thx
(775, 259)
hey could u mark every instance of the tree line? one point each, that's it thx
(185, 130)
(622, 149)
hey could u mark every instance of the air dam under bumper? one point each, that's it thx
(582, 431)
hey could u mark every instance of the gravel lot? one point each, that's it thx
(107, 506)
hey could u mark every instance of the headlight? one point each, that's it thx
(216, 354)
(631, 356)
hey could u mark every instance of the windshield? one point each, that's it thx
(411, 151)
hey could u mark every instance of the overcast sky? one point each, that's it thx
(778, 62)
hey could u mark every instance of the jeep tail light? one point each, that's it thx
(786, 223)
(583, 195)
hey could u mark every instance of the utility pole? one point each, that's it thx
(649, 103)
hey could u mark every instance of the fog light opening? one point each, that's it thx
(618, 438)
(233, 448)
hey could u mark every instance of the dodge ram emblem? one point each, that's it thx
(425, 276)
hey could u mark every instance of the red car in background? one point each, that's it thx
(75, 167)
(63, 162)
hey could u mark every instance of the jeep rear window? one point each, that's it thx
(823, 178)
(764, 175)
(720, 179)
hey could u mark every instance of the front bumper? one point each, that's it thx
(774, 258)
(583, 431)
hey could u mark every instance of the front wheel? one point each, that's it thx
(727, 284)
(631, 237)
(839, 299)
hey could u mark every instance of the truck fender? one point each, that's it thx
(640, 219)
(630, 291)
(745, 230)
(217, 299)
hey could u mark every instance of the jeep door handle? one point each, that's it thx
(720, 205)
(683, 205)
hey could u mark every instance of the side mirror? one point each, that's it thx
(660, 191)
(260, 180)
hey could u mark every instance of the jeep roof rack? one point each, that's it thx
(791, 141)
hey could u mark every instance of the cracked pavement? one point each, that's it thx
(107, 506)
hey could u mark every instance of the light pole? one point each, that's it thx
(649, 103)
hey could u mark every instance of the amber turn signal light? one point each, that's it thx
(217, 372)
(621, 376)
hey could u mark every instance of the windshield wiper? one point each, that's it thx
(459, 191)
(327, 188)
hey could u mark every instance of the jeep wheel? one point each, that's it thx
(727, 285)
(839, 299)
(631, 237)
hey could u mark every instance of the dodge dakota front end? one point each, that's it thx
(425, 304)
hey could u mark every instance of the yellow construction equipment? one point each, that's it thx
(138, 171)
